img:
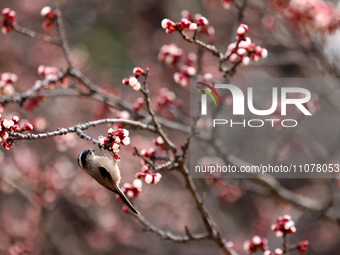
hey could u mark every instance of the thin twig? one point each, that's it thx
(208, 47)
(285, 244)
(228, 72)
(32, 34)
(241, 9)
(168, 165)
(146, 93)
(31, 93)
(209, 223)
(77, 128)
(64, 46)
(272, 185)
(167, 235)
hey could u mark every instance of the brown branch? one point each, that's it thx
(168, 165)
(208, 47)
(146, 94)
(97, 94)
(210, 224)
(32, 34)
(228, 72)
(64, 44)
(136, 153)
(240, 8)
(167, 235)
(275, 188)
(285, 244)
(31, 93)
(78, 128)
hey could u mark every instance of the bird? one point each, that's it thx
(105, 172)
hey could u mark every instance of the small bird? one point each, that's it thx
(104, 171)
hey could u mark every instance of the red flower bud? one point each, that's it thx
(138, 71)
(27, 127)
(303, 246)
(16, 128)
(46, 12)
(139, 175)
(125, 81)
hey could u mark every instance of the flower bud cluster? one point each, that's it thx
(8, 126)
(51, 79)
(189, 22)
(175, 58)
(322, 16)
(6, 83)
(166, 99)
(170, 54)
(150, 154)
(114, 139)
(147, 176)
(251, 246)
(9, 18)
(284, 225)
(202, 24)
(186, 71)
(244, 50)
(131, 191)
(170, 26)
(50, 16)
(133, 80)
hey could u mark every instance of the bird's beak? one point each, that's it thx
(93, 150)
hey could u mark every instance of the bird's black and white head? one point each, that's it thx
(85, 157)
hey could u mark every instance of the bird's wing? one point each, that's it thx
(107, 175)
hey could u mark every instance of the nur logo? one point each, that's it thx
(239, 99)
(204, 96)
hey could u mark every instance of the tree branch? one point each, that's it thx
(145, 92)
(275, 188)
(77, 128)
(32, 34)
(167, 235)
(64, 44)
(210, 224)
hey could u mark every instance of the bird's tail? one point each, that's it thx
(126, 201)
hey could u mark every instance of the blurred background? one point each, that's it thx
(49, 206)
